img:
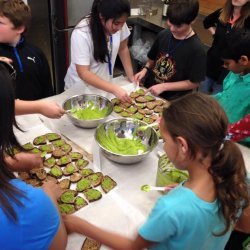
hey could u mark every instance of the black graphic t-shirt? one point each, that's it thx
(176, 60)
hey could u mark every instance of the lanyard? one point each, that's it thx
(169, 52)
(110, 55)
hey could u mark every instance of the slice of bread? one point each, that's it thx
(108, 183)
(92, 194)
(95, 179)
(90, 244)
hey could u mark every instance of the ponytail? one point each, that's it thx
(229, 174)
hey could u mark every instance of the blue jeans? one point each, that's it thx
(210, 86)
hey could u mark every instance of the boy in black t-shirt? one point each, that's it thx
(177, 59)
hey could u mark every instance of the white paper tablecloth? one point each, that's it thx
(124, 208)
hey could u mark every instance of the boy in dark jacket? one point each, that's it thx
(33, 79)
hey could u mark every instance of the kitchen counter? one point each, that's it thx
(124, 208)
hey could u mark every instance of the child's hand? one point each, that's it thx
(140, 75)
(171, 186)
(121, 94)
(24, 161)
(50, 109)
(157, 89)
(6, 59)
(52, 190)
(71, 223)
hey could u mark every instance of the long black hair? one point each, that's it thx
(108, 9)
(8, 143)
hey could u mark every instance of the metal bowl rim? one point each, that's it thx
(93, 120)
(127, 119)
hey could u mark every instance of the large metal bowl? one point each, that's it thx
(81, 101)
(127, 128)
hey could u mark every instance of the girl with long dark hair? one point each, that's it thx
(95, 43)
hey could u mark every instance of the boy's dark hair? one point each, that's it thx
(236, 44)
(182, 11)
(17, 12)
(108, 9)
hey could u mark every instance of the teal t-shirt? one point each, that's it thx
(235, 97)
(181, 220)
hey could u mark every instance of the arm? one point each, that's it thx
(46, 108)
(172, 86)
(126, 60)
(141, 74)
(85, 74)
(54, 192)
(24, 161)
(113, 240)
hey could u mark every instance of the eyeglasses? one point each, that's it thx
(11, 70)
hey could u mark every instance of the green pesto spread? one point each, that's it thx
(83, 184)
(145, 188)
(70, 168)
(79, 201)
(90, 112)
(28, 146)
(107, 183)
(56, 171)
(68, 197)
(167, 173)
(66, 208)
(93, 194)
(87, 171)
(124, 146)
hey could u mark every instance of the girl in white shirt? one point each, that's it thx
(95, 43)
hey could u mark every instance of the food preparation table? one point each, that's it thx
(124, 208)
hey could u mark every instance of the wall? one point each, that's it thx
(208, 6)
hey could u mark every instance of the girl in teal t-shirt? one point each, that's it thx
(201, 212)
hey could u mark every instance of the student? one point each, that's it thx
(235, 97)
(29, 217)
(24, 161)
(234, 14)
(33, 79)
(46, 108)
(199, 213)
(177, 58)
(95, 43)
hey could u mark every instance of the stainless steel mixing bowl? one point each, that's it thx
(82, 101)
(127, 128)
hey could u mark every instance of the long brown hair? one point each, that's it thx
(8, 142)
(227, 12)
(203, 123)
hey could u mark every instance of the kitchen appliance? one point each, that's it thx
(52, 24)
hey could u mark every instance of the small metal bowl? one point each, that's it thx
(81, 101)
(127, 128)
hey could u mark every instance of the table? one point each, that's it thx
(124, 208)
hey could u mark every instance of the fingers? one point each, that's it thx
(6, 59)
